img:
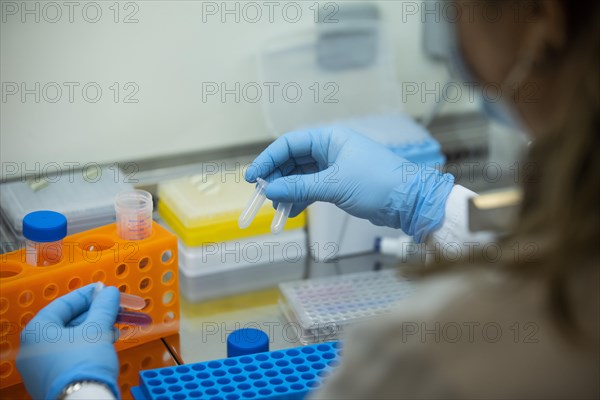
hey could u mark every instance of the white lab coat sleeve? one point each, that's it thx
(92, 391)
(453, 235)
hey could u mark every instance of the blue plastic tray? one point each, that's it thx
(283, 374)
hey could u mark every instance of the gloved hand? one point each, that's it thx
(69, 340)
(360, 176)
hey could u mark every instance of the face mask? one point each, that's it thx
(497, 110)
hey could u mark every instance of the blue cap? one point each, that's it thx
(247, 341)
(44, 226)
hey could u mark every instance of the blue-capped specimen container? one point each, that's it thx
(44, 231)
(282, 374)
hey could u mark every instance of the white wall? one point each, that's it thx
(168, 54)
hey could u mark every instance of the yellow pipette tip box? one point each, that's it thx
(203, 210)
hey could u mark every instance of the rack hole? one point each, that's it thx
(5, 369)
(50, 291)
(10, 269)
(169, 317)
(99, 276)
(25, 318)
(123, 288)
(168, 297)
(149, 374)
(167, 277)
(146, 362)
(121, 270)
(5, 327)
(74, 283)
(26, 298)
(148, 305)
(166, 256)
(145, 284)
(125, 388)
(144, 263)
(124, 368)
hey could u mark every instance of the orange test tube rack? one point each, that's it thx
(146, 268)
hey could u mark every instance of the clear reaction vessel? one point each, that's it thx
(281, 215)
(126, 300)
(255, 203)
(134, 215)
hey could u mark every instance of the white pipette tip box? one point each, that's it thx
(325, 307)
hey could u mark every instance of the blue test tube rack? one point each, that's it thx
(281, 374)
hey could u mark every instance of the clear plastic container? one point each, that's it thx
(86, 203)
(44, 232)
(134, 215)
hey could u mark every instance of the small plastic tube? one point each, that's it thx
(134, 215)
(133, 318)
(281, 216)
(126, 300)
(132, 301)
(255, 203)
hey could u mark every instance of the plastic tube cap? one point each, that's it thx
(247, 341)
(44, 226)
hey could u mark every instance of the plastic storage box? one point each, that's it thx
(323, 308)
(204, 209)
(223, 268)
(86, 201)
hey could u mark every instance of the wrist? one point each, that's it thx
(86, 389)
(66, 382)
(418, 202)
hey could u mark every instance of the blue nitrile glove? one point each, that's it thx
(70, 340)
(360, 176)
